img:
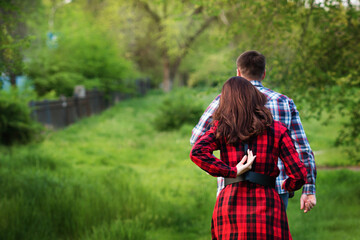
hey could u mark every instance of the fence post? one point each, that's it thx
(48, 115)
(33, 110)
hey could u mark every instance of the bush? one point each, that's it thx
(61, 82)
(16, 125)
(177, 109)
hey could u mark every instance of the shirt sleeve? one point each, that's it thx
(201, 155)
(294, 168)
(303, 148)
(205, 120)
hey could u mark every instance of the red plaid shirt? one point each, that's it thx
(247, 210)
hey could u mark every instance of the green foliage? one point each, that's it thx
(178, 108)
(60, 82)
(16, 125)
(84, 54)
(209, 67)
(13, 39)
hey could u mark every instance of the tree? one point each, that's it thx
(170, 29)
(13, 37)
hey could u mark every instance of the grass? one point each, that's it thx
(322, 136)
(337, 213)
(113, 176)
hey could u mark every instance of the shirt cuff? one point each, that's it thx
(309, 189)
(233, 172)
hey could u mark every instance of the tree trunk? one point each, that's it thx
(13, 79)
(170, 70)
(166, 76)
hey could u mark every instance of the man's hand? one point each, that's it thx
(282, 184)
(244, 167)
(307, 202)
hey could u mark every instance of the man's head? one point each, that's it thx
(251, 65)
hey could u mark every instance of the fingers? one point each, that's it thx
(251, 157)
(244, 167)
(312, 199)
(250, 154)
(243, 159)
(302, 203)
(250, 161)
(308, 206)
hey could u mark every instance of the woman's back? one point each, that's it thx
(246, 209)
(266, 147)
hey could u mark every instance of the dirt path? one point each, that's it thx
(352, 168)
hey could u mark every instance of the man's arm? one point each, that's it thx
(303, 148)
(205, 120)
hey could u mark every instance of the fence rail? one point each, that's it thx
(60, 113)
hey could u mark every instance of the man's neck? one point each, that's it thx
(249, 78)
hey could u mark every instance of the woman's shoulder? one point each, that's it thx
(213, 127)
(279, 126)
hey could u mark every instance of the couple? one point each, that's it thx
(253, 127)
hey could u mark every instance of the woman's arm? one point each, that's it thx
(294, 168)
(201, 155)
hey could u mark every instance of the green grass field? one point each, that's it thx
(113, 176)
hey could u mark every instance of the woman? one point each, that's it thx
(248, 208)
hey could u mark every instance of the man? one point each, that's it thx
(251, 66)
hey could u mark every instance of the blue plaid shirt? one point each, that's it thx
(284, 110)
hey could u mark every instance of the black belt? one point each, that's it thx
(253, 177)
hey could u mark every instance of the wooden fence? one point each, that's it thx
(61, 113)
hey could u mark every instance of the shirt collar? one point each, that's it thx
(256, 83)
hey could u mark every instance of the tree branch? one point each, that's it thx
(147, 9)
(197, 11)
(190, 40)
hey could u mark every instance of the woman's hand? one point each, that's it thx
(244, 167)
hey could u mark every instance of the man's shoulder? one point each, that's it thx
(273, 95)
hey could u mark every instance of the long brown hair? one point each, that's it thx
(241, 113)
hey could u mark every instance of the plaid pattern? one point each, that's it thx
(247, 210)
(284, 110)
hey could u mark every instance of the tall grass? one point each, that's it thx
(113, 176)
(42, 202)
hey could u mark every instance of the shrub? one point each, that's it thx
(177, 109)
(62, 82)
(16, 125)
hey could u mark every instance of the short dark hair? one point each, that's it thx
(251, 65)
